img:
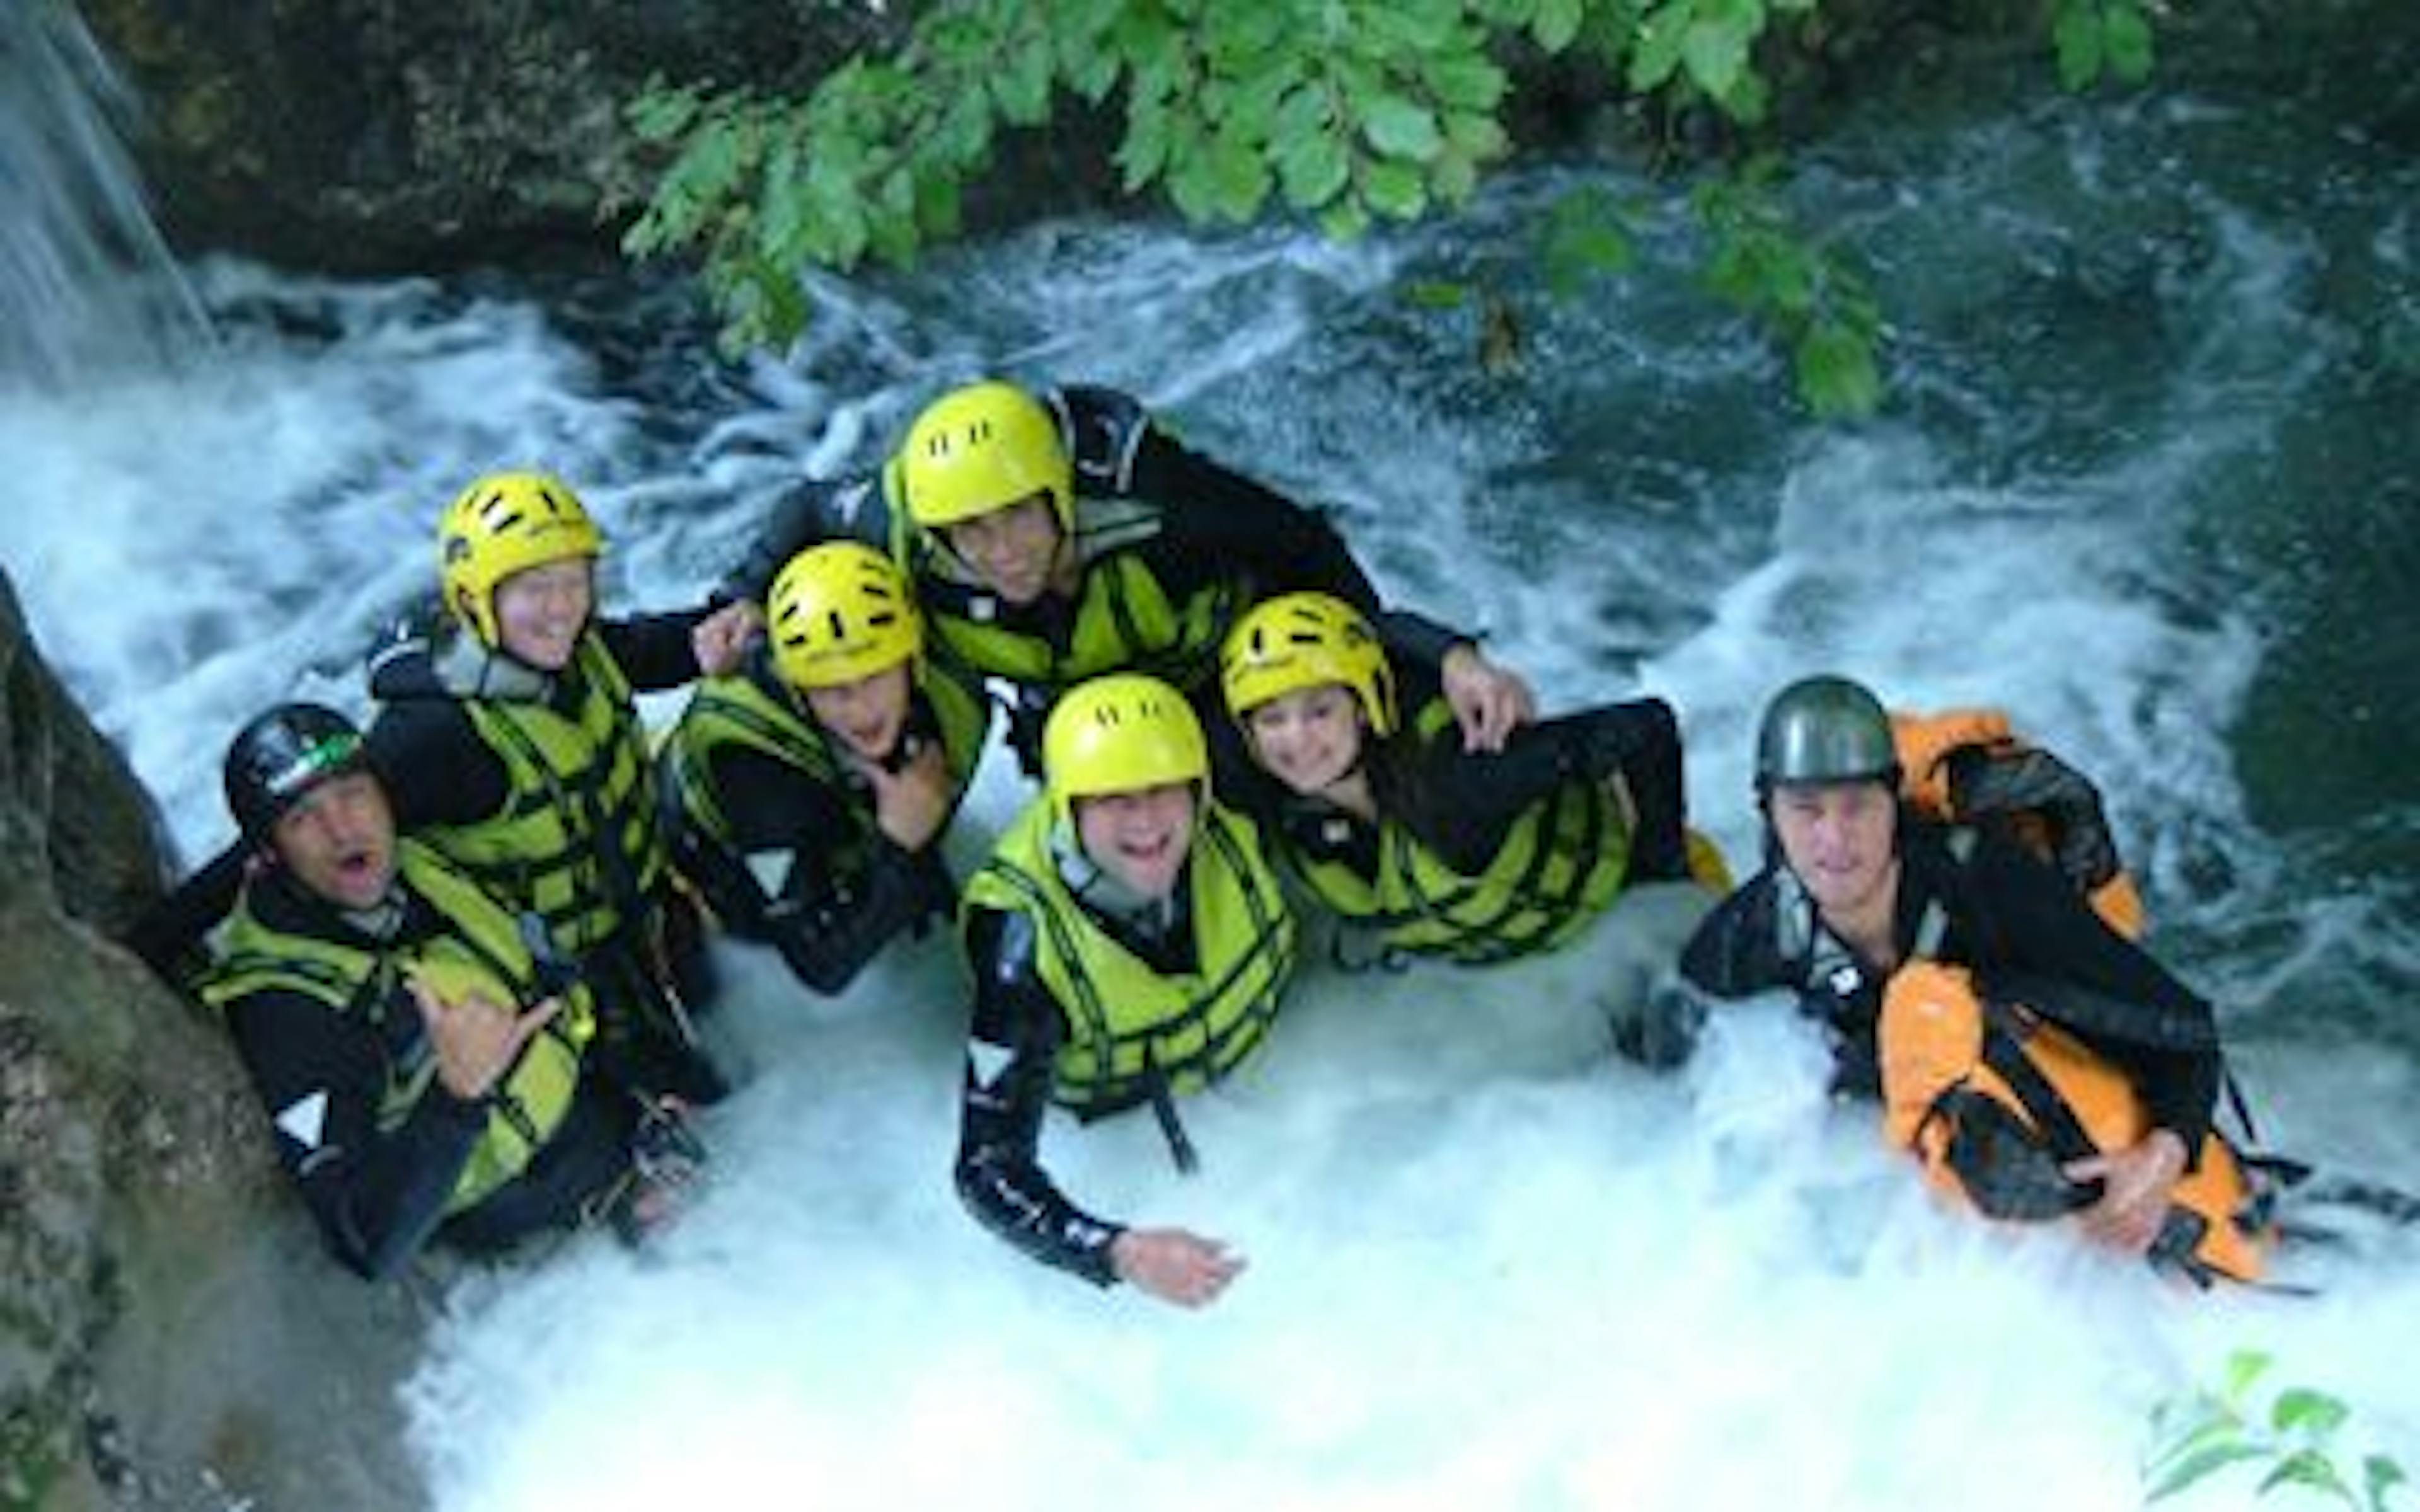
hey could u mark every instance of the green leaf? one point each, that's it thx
(1480, 138)
(1399, 128)
(2126, 40)
(1434, 294)
(1453, 178)
(1837, 376)
(659, 115)
(1716, 51)
(1465, 81)
(1557, 22)
(2243, 1367)
(2306, 1467)
(1239, 175)
(1344, 221)
(1020, 84)
(2379, 1475)
(1313, 170)
(2312, 1412)
(2193, 1468)
(1395, 189)
(2077, 31)
(1143, 155)
(1306, 110)
(1655, 53)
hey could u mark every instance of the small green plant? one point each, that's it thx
(2196, 1435)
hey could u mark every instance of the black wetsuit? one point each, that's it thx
(1014, 1034)
(1461, 805)
(379, 1195)
(1210, 527)
(438, 770)
(850, 889)
(2011, 918)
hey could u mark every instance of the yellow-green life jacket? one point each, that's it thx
(482, 951)
(1559, 865)
(1123, 620)
(743, 712)
(577, 843)
(1133, 1030)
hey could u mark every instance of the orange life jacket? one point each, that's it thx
(1993, 1099)
(2028, 794)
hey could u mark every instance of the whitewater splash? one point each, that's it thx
(1489, 1266)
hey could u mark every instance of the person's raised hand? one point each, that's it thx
(1489, 702)
(474, 1039)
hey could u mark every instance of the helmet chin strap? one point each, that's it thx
(1099, 889)
(380, 919)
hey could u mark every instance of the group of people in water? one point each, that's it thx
(466, 945)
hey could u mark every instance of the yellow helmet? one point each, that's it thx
(1121, 733)
(503, 524)
(838, 612)
(1298, 641)
(981, 448)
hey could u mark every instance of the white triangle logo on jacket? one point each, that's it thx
(303, 1121)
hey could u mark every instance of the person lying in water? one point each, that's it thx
(2035, 1058)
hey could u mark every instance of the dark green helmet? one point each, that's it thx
(1824, 730)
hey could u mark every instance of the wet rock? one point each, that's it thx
(170, 1336)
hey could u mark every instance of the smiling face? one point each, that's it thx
(1014, 550)
(1140, 838)
(866, 715)
(541, 610)
(1837, 838)
(1308, 739)
(338, 839)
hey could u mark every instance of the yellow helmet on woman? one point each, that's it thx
(1298, 641)
(980, 449)
(839, 612)
(1121, 733)
(505, 523)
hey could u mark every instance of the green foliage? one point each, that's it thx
(1807, 295)
(2097, 37)
(1346, 113)
(2197, 1435)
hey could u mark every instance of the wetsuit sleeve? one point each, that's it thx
(1735, 951)
(1014, 1034)
(2047, 927)
(376, 1196)
(654, 651)
(827, 925)
(1223, 520)
(169, 934)
(433, 764)
(1462, 803)
(1411, 635)
(809, 515)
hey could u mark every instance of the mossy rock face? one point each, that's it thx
(171, 1335)
(362, 136)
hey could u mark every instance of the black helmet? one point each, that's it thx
(280, 755)
(1824, 730)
